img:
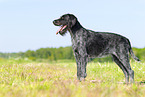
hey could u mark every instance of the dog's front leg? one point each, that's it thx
(81, 66)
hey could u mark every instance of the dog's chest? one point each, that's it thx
(78, 42)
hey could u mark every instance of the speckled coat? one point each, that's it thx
(89, 44)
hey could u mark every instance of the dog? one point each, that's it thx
(90, 44)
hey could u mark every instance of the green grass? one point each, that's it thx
(24, 78)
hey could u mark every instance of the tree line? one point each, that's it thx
(43, 53)
(61, 53)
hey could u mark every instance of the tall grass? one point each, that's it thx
(19, 78)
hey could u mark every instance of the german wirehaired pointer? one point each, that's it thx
(89, 44)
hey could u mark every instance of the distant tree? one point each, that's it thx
(62, 53)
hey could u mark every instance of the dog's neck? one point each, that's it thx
(74, 29)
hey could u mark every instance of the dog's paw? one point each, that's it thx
(81, 79)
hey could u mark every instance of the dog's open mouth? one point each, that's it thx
(62, 29)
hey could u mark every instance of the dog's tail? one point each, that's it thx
(132, 54)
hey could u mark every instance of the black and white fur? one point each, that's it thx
(87, 44)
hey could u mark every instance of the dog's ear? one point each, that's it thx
(72, 21)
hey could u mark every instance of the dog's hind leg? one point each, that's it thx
(126, 63)
(122, 67)
(123, 56)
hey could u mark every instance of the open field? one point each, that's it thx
(20, 78)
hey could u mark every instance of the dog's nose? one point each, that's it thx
(55, 22)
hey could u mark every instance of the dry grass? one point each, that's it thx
(58, 79)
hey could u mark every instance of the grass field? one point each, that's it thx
(20, 78)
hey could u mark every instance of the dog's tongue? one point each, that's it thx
(63, 27)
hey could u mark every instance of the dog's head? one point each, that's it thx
(66, 22)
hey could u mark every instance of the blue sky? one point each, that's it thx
(27, 24)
